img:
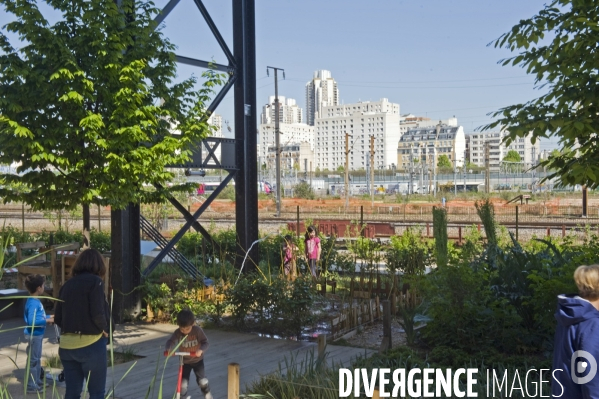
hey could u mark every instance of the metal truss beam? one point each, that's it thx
(189, 222)
(189, 217)
(216, 33)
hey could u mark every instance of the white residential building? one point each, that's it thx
(217, 122)
(361, 120)
(289, 133)
(428, 144)
(293, 155)
(321, 92)
(497, 150)
(411, 121)
(289, 111)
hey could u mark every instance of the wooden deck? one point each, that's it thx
(255, 355)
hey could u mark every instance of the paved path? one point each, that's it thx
(255, 355)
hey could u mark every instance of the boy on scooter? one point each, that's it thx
(195, 342)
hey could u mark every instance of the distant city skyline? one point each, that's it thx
(430, 57)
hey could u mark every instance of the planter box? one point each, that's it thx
(18, 304)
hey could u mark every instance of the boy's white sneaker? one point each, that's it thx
(208, 396)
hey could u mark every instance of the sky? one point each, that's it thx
(431, 56)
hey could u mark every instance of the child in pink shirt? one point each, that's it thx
(312, 249)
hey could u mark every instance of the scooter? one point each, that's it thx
(180, 378)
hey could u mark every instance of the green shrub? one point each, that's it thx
(465, 313)
(274, 305)
(303, 190)
(408, 254)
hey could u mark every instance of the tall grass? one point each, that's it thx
(308, 378)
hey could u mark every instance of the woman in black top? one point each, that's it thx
(83, 317)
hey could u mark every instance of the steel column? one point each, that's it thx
(246, 181)
(125, 263)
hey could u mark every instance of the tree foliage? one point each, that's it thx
(512, 159)
(87, 104)
(512, 156)
(443, 162)
(560, 47)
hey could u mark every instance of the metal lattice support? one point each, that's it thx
(238, 157)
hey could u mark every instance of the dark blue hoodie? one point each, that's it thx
(577, 330)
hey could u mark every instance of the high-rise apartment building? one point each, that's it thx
(321, 92)
(360, 120)
(498, 150)
(289, 111)
(216, 121)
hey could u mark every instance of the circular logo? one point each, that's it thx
(580, 367)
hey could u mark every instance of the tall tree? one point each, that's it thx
(560, 47)
(88, 105)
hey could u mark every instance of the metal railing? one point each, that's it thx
(536, 213)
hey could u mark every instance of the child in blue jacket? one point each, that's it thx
(35, 321)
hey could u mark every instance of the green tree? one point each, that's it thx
(560, 47)
(340, 169)
(512, 156)
(443, 162)
(88, 105)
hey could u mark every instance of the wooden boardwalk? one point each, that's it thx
(256, 356)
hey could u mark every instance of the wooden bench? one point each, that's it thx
(39, 264)
(57, 253)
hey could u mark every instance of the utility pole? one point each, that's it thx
(277, 136)
(487, 169)
(533, 165)
(346, 171)
(372, 169)
(422, 164)
(310, 173)
(464, 171)
(411, 188)
(585, 201)
(434, 166)
(455, 170)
